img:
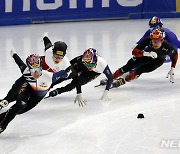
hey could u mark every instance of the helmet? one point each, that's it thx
(89, 56)
(155, 21)
(34, 61)
(59, 48)
(157, 34)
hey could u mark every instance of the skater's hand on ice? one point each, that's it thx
(105, 97)
(171, 75)
(81, 101)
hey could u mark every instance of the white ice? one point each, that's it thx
(58, 126)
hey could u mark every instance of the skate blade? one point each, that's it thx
(113, 87)
(98, 85)
(47, 97)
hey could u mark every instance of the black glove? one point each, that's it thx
(53, 93)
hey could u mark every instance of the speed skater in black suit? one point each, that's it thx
(147, 57)
(54, 60)
(88, 67)
(36, 83)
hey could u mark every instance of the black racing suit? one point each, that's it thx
(29, 91)
(81, 76)
(23, 94)
(12, 94)
(146, 64)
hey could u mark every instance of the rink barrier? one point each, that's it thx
(15, 12)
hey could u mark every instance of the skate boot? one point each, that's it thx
(103, 82)
(2, 128)
(3, 103)
(117, 83)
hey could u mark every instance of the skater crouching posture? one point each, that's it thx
(88, 67)
(156, 22)
(54, 60)
(36, 83)
(147, 57)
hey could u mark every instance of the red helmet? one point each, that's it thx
(34, 61)
(157, 34)
(90, 56)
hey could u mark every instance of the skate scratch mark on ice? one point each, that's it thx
(8, 149)
(99, 147)
(122, 140)
(144, 136)
(35, 135)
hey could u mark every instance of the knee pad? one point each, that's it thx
(118, 73)
(131, 76)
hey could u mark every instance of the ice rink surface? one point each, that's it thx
(58, 126)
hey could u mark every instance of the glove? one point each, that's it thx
(53, 93)
(3, 103)
(134, 45)
(13, 51)
(104, 97)
(63, 74)
(150, 54)
(171, 75)
(140, 53)
(44, 35)
(80, 100)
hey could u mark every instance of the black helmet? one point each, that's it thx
(59, 48)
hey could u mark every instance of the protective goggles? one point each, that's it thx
(89, 64)
(38, 69)
(57, 56)
(153, 27)
(156, 41)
